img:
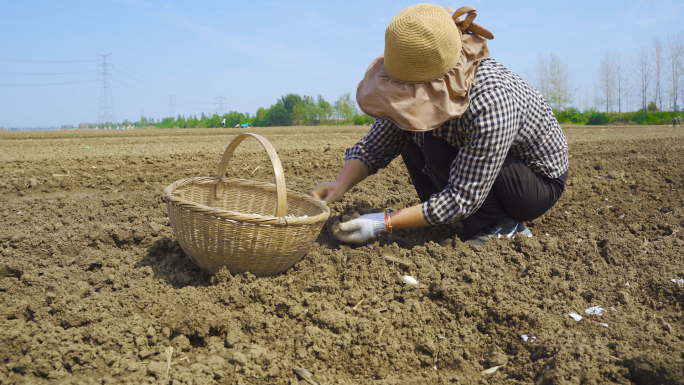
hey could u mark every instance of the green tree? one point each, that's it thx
(180, 122)
(291, 103)
(363, 118)
(234, 118)
(652, 107)
(215, 120)
(205, 121)
(325, 110)
(345, 108)
(306, 112)
(262, 117)
(597, 119)
(279, 115)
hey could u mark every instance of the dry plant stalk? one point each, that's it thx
(358, 304)
(441, 338)
(491, 370)
(380, 334)
(399, 261)
(305, 375)
(169, 354)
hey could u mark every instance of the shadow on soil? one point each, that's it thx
(170, 263)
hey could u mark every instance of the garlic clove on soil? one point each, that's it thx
(491, 370)
(594, 310)
(407, 279)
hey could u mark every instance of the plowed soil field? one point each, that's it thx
(95, 288)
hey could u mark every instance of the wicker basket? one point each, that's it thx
(242, 224)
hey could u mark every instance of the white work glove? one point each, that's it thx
(361, 229)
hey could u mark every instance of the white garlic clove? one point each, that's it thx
(491, 370)
(407, 279)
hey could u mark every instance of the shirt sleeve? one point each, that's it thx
(488, 138)
(384, 142)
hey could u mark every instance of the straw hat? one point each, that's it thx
(430, 62)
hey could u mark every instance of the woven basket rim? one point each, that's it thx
(270, 220)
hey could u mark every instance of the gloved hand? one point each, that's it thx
(361, 229)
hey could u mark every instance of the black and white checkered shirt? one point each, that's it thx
(505, 114)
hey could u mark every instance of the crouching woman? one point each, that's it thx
(481, 145)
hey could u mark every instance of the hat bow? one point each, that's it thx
(467, 23)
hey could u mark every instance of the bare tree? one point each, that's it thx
(606, 83)
(657, 57)
(631, 95)
(681, 83)
(560, 90)
(628, 99)
(586, 98)
(582, 98)
(597, 97)
(579, 99)
(642, 65)
(674, 55)
(621, 82)
(527, 76)
(542, 72)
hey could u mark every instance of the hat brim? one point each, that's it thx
(422, 106)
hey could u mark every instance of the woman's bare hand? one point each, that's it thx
(352, 173)
(329, 192)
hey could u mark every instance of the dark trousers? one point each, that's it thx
(518, 191)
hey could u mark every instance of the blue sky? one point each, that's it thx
(253, 52)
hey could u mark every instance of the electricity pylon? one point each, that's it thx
(106, 112)
(220, 98)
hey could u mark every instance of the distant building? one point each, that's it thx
(67, 127)
(85, 126)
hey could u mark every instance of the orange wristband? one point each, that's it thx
(388, 222)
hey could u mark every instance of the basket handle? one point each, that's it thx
(281, 192)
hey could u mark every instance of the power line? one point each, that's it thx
(106, 112)
(155, 91)
(45, 84)
(164, 102)
(44, 61)
(178, 89)
(160, 111)
(171, 106)
(140, 96)
(154, 87)
(44, 73)
(156, 97)
(143, 91)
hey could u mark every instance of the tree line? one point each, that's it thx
(646, 88)
(289, 110)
